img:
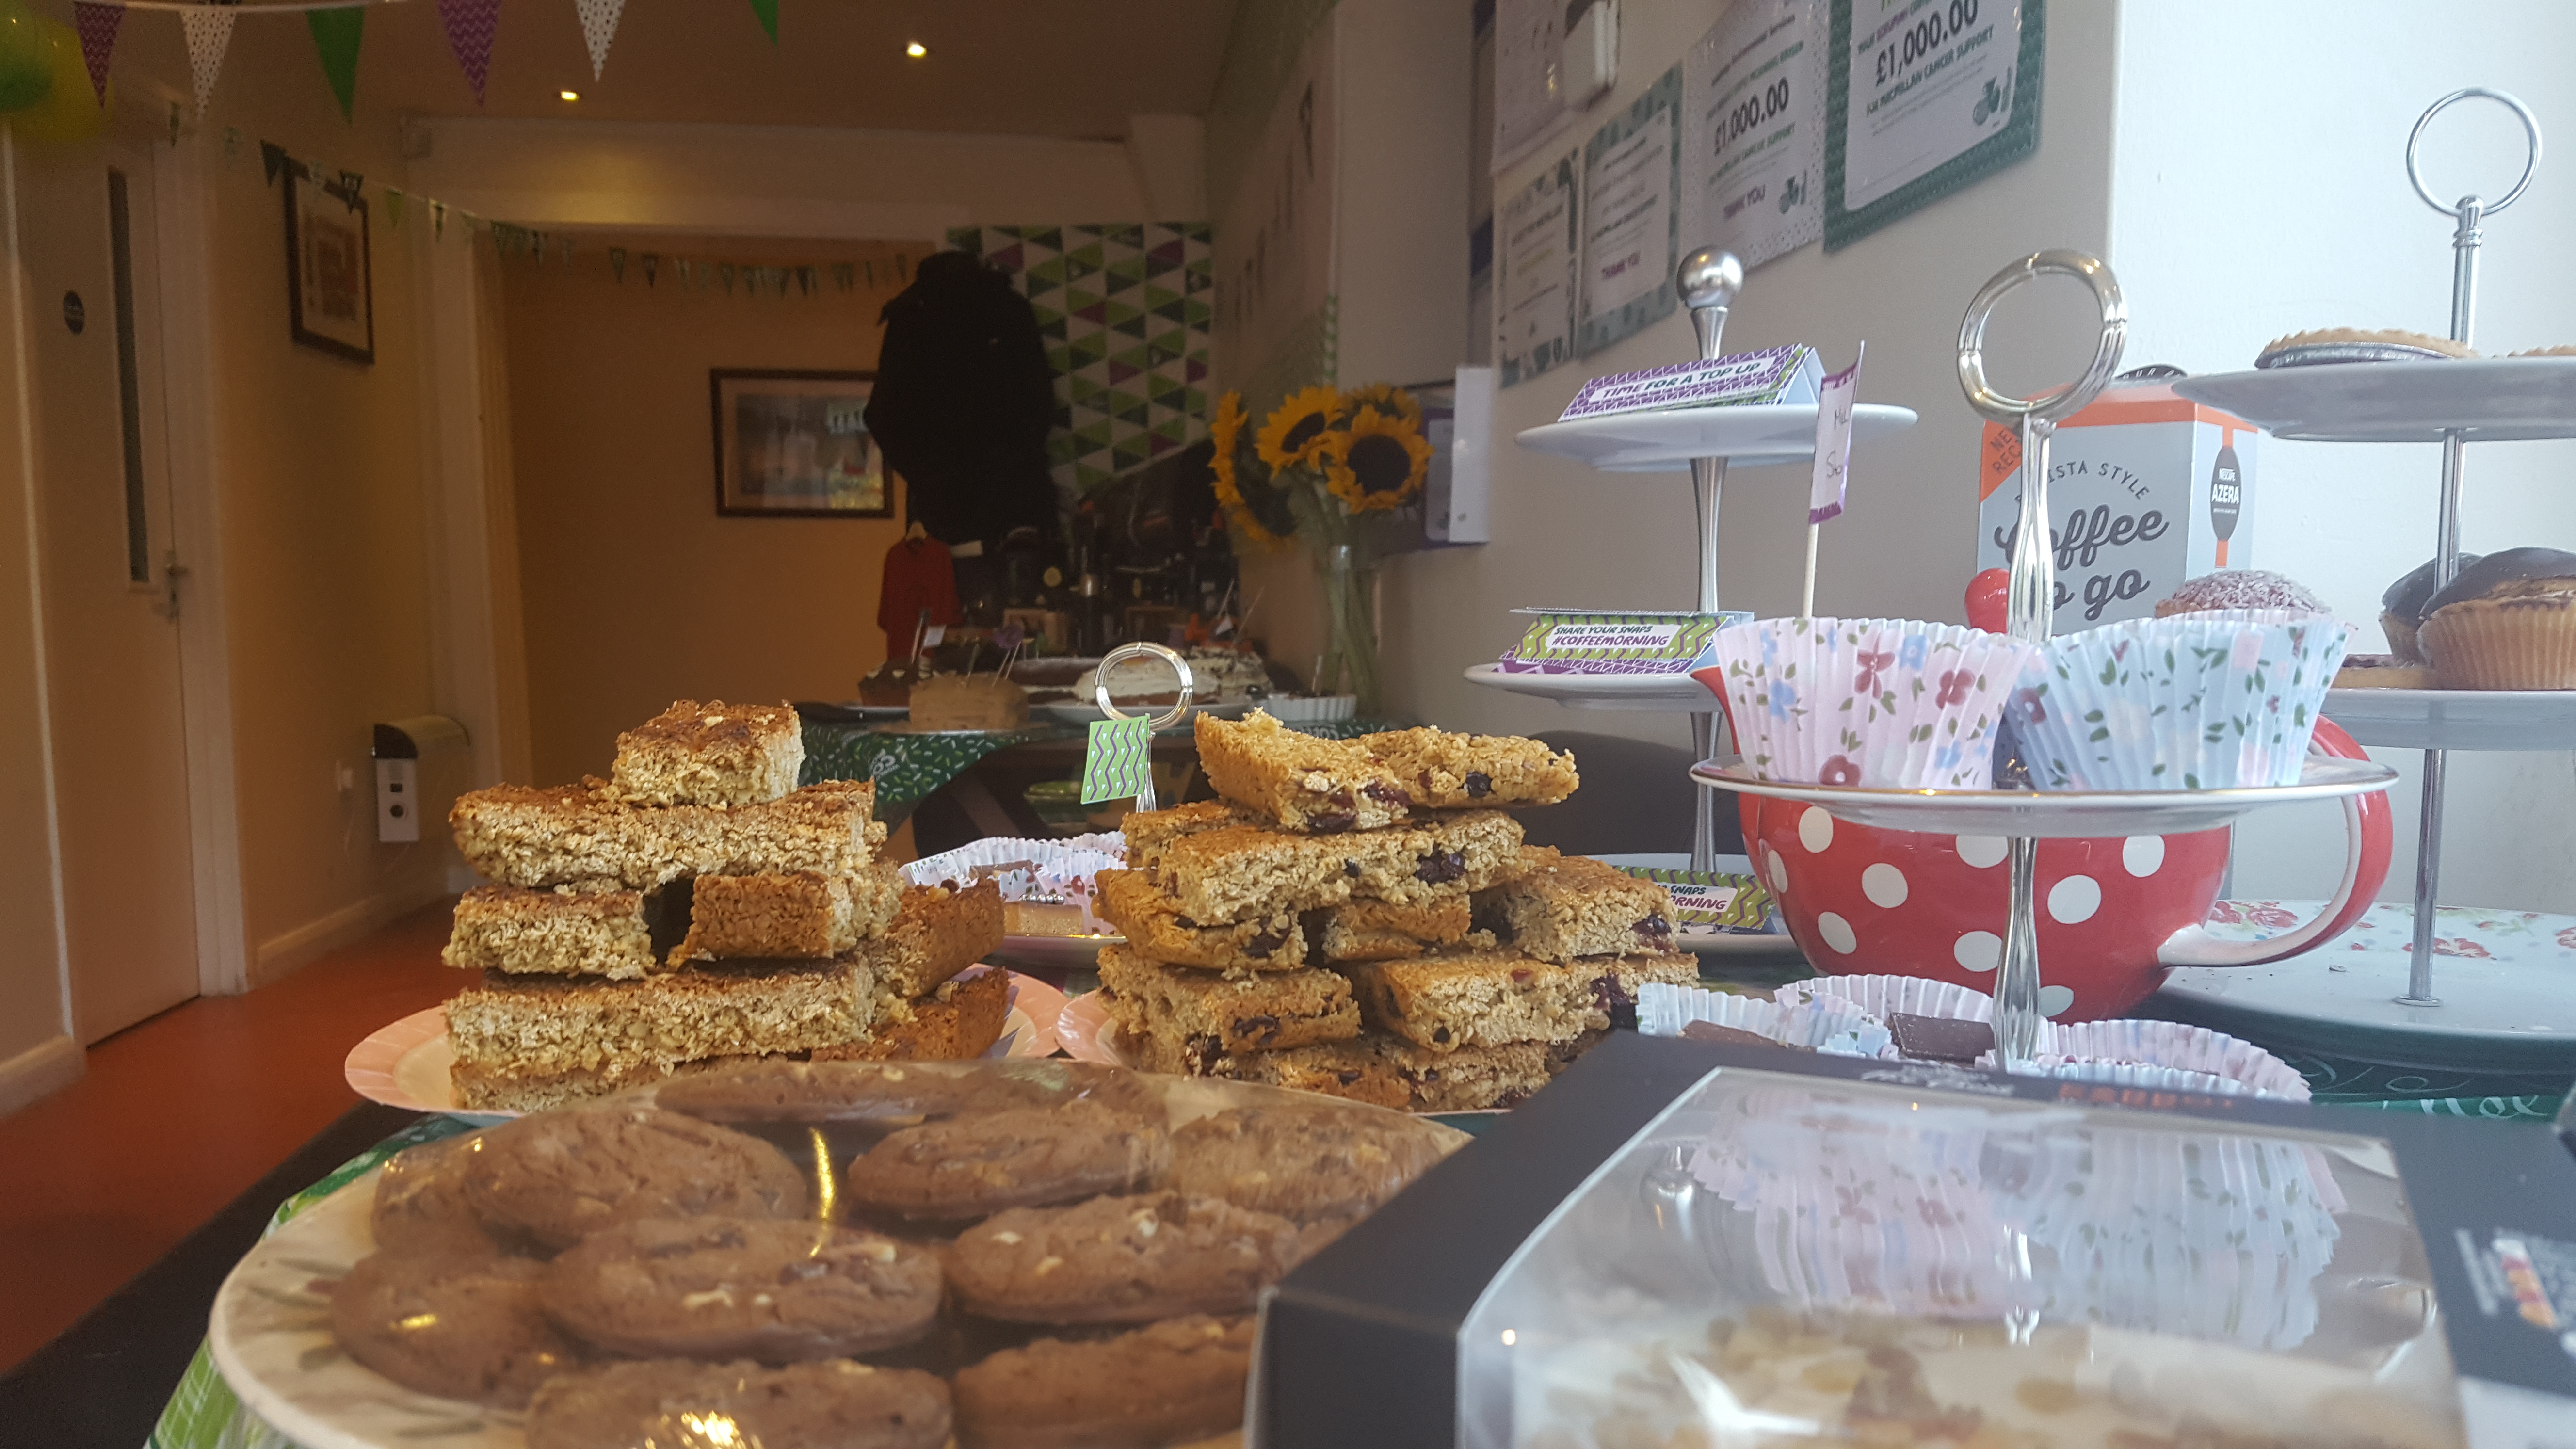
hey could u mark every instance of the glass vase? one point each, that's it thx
(1349, 665)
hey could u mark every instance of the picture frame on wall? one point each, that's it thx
(795, 444)
(330, 275)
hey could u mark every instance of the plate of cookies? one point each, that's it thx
(933, 1253)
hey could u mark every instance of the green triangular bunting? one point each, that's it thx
(767, 10)
(336, 34)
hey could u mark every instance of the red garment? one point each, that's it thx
(918, 575)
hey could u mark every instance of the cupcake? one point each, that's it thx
(1885, 703)
(2506, 622)
(2194, 702)
(2240, 589)
(2383, 671)
(2402, 608)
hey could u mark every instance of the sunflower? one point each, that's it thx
(1226, 428)
(1297, 432)
(1390, 401)
(1380, 463)
(1258, 507)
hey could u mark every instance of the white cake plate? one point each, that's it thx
(1603, 691)
(2457, 719)
(2507, 986)
(1666, 442)
(2487, 400)
(2053, 814)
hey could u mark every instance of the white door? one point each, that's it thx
(112, 582)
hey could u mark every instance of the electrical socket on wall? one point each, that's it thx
(397, 801)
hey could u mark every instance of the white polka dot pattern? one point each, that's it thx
(2073, 900)
(1978, 951)
(1884, 884)
(1837, 932)
(1816, 830)
(2054, 999)
(1981, 851)
(2142, 855)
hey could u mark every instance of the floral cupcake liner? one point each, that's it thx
(1826, 1026)
(2195, 702)
(1890, 703)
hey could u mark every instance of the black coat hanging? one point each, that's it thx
(963, 402)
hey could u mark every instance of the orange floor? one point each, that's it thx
(179, 1114)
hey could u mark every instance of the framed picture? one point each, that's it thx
(330, 281)
(796, 445)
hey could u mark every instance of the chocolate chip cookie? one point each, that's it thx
(761, 1288)
(836, 1404)
(971, 1166)
(1308, 1164)
(888, 1092)
(1168, 1383)
(1120, 1260)
(458, 1326)
(421, 1203)
(560, 1176)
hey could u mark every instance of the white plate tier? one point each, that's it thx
(2457, 719)
(2506, 980)
(2053, 814)
(2491, 399)
(1665, 442)
(1603, 691)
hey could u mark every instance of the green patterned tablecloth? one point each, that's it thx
(908, 767)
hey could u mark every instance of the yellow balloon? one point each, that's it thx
(71, 110)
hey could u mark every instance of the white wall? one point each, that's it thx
(2262, 190)
(777, 180)
(1566, 535)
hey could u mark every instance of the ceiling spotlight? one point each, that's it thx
(916, 50)
(569, 95)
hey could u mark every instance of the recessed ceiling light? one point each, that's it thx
(569, 95)
(916, 50)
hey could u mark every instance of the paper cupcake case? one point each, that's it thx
(1031, 870)
(2194, 702)
(1890, 703)
(2127, 1052)
(1827, 1026)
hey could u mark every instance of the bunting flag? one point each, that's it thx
(471, 25)
(598, 27)
(724, 274)
(210, 34)
(652, 265)
(336, 34)
(617, 263)
(272, 159)
(393, 206)
(98, 25)
(844, 275)
(767, 10)
(437, 219)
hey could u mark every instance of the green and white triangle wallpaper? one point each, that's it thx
(1125, 313)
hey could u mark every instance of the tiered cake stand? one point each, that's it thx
(2025, 816)
(2379, 1002)
(1704, 441)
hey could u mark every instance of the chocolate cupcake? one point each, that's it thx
(2240, 589)
(2507, 622)
(2403, 607)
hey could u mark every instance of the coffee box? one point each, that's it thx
(2146, 489)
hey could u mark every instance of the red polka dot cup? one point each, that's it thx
(2114, 915)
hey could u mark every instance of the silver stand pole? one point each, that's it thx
(2465, 241)
(1707, 283)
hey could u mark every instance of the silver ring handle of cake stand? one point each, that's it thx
(2032, 600)
(1179, 711)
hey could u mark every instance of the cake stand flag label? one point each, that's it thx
(1833, 441)
(598, 28)
(471, 24)
(210, 33)
(1115, 758)
(97, 25)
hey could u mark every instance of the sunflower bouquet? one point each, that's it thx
(1323, 460)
